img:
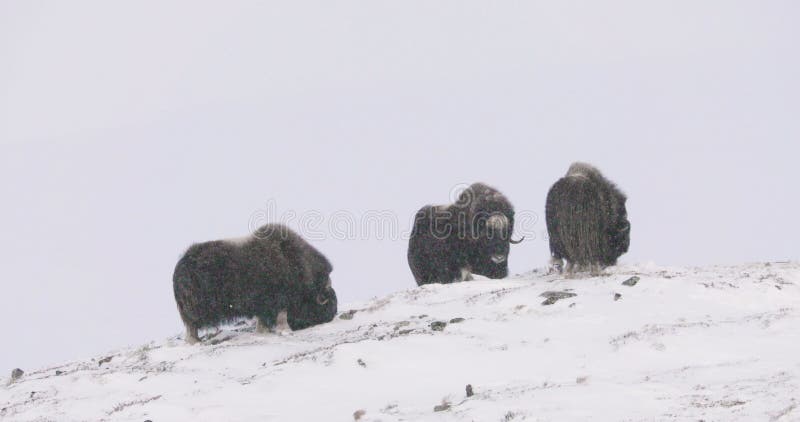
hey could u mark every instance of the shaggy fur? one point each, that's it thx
(586, 220)
(450, 242)
(271, 271)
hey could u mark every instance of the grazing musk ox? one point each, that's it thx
(273, 271)
(448, 243)
(586, 220)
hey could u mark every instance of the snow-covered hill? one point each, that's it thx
(712, 344)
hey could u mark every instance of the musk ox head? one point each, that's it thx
(491, 246)
(620, 236)
(489, 223)
(316, 307)
(317, 303)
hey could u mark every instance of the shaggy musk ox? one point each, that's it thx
(273, 271)
(586, 220)
(450, 242)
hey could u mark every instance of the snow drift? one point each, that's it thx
(639, 343)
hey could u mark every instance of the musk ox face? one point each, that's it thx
(491, 246)
(621, 236)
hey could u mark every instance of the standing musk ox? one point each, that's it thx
(450, 242)
(586, 220)
(270, 273)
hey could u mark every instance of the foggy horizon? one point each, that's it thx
(130, 131)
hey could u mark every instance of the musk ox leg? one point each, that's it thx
(282, 323)
(572, 269)
(191, 335)
(556, 264)
(263, 327)
(273, 324)
(466, 275)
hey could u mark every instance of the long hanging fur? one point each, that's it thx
(587, 221)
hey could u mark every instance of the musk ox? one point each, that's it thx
(586, 220)
(269, 273)
(450, 242)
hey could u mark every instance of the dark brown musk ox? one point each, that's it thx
(586, 221)
(272, 272)
(449, 243)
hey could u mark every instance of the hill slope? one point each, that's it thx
(719, 343)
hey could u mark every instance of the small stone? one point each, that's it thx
(58, 373)
(17, 374)
(442, 407)
(404, 332)
(358, 414)
(438, 325)
(617, 296)
(581, 380)
(456, 320)
(470, 393)
(631, 281)
(106, 359)
(553, 296)
(361, 363)
(423, 316)
(348, 315)
(401, 324)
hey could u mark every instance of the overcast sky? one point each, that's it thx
(129, 130)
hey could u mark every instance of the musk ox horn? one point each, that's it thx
(322, 300)
(516, 242)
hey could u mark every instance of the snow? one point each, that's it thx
(715, 343)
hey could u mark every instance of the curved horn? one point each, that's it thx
(516, 242)
(322, 300)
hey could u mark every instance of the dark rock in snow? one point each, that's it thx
(361, 363)
(631, 281)
(442, 407)
(358, 414)
(438, 325)
(553, 297)
(456, 320)
(401, 324)
(104, 360)
(470, 393)
(617, 296)
(17, 374)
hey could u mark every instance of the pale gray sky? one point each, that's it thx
(129, 130)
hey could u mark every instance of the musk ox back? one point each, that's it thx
(450, 242)
(586, 220)
(271, 272)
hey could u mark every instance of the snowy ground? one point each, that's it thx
(712, 344)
